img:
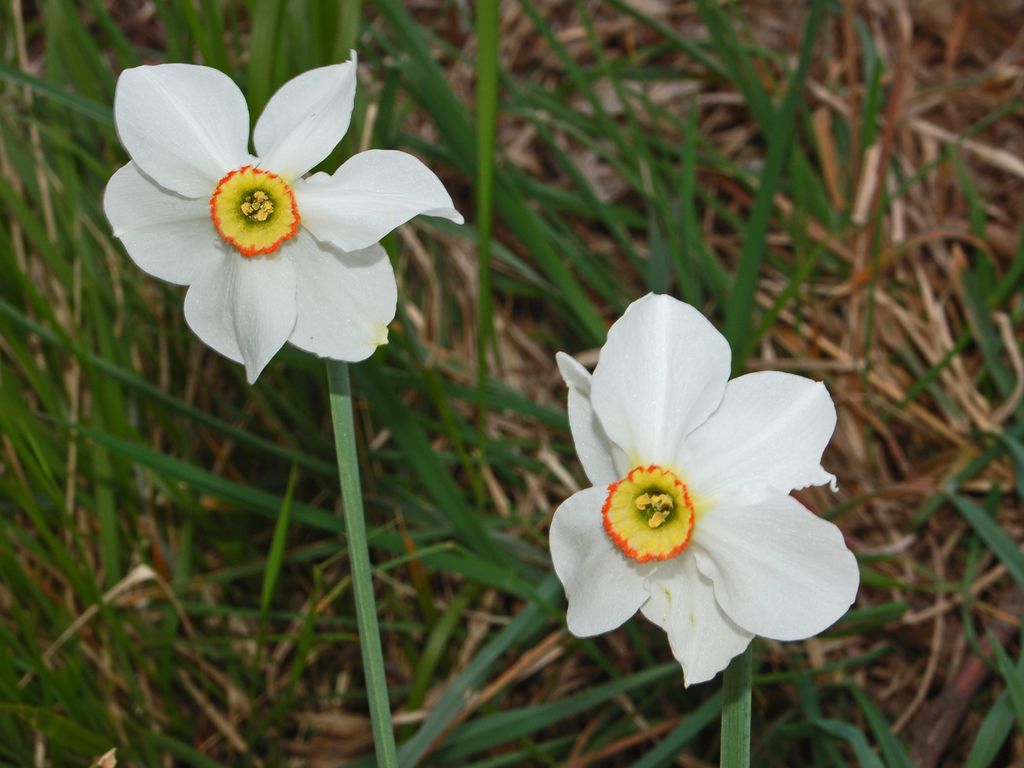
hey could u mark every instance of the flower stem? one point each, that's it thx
(359, 557)
(736, 713)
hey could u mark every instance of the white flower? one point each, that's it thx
(690, 518)
(269, 256)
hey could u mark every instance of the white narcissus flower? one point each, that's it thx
(690, 519)
(269, 256)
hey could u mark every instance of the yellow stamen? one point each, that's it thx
(254, 210)
(649, 514)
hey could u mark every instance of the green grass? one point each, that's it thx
(125, 442)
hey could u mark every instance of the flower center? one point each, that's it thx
(254, 210)
(649, 514)
(258, 206)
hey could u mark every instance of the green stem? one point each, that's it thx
(736, 713)
(359, 557)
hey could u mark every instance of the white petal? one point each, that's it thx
(702, 637)
(167, 235)
(770, 428)
(185, 125)
(208, 306)
(244, 308)
(603, 586)
(661, 373)
(602, 460)
(344, 300)
(306, 119)
(368, 196)
(779, 570)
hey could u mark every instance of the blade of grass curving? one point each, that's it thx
(866, 620)
(502, 727)
(1013, 677)
(859, 660)
(275, 557)
(780, 138)
(852, 735)
(825, 751)
(893, 752)
(693, 723)
(992, 734)
(438, 641)
(433, 386)
(997, 539)
(961, 475)
(525, 624)
(985, 333)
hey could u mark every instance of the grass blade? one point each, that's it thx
(780, 138)
(998, 540)
(866, 757)
(276, 554)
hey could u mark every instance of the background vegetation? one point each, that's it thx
(836, 184)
